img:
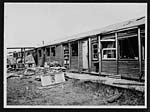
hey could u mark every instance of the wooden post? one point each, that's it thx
(62, 54)
(79, 56)
(21, 55)
(140, 55)
(50, 55)
(24, 55)
(69, 55)
(89, 39)
(116, 37)
(99, 54)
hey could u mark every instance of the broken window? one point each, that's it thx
(20, 54)
(66, 55)
(53, 53)
(95, 51)
(128, 48)
(94, 42)
(48, 51)
(108, 45)
(74, 49)
(15, 55)
(128, 45)
(40, 53)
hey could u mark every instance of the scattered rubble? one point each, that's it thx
(29, 91)
(51, 86)
(114, 98)
(54, 64)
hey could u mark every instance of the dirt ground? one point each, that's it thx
(28, 91)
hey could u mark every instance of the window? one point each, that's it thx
(94, 45)
(128, 48)
(74, 49)
(40, 53)
(128, 45)
(53, 51)
(95, 51)
(48, 51)
(15, 55)
(19, 55)
(108, 50)
(108, 45)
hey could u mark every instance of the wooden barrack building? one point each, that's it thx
(117, 49)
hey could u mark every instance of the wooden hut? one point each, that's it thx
(115, 50)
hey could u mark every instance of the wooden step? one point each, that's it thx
(115, 76)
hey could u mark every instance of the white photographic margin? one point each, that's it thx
(59, 106)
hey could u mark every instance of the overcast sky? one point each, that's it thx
(28, 24)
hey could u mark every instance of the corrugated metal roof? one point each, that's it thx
(118, 26)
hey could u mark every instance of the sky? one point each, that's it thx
(28, 24)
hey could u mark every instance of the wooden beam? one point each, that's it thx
(89, 39)
(140, 54)
(62, 55)
(99, 54)
(78, 55)
(117, 57)
(24, 55)
(20, 47)
(69, 55)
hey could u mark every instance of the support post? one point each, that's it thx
(24, 54)
(99, 54)
(62, 55)
(79, 56)
(116, 38)
(89, 39)
(21, 55)
(69, 55)
(140, 55)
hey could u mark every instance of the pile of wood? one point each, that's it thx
(50, 75)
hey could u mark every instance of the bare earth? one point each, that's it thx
(28, 91)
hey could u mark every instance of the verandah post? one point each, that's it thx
(69, 55)
(99, 54)
(117, 51)
(140, 55)
(89, 39)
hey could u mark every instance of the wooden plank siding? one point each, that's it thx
(58, 55)
(95, 66)
(143, 70)
(80, 59)
(109, 66)
(129, 69)
(40, 58)
(74, 62)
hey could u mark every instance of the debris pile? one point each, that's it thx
(52, 73)
(49, 76)
(54, 64)
(30, 71)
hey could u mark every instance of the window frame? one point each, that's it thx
(94, 59)
(76, 43)
(47, 51)
(104, 49)
(40, 52)
(51, 53)
(126, 37)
